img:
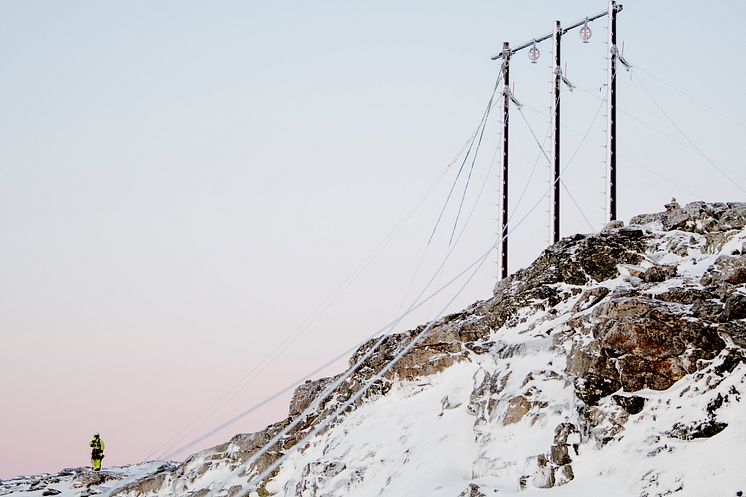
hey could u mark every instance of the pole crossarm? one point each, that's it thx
(547, 36)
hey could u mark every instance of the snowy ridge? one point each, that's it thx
(81, 482)
(614, 365)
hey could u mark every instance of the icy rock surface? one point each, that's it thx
(82, 482)
(614, 365)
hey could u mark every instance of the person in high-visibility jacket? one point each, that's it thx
(97, 451)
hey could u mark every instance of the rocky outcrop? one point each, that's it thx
(698, 217)
(638, 343)
(568, 347)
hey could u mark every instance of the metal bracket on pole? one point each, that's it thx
(506, 91)
(621, 58)
(568, 83)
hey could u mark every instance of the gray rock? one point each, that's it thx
(736, 330)
(559, 455)
(727, 269)
(735, 307)
(472, 491)
(632, 404)
(657, 274)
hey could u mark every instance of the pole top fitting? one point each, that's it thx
(506, 50)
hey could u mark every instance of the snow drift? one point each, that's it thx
(614, 365)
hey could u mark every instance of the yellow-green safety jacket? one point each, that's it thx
(97, 446)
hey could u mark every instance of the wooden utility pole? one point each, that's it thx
(611, 112)
(556, 133)
(506, 115)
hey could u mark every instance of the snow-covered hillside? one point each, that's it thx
(614, 365)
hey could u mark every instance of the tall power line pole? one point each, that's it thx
(611, 111)
(506, 115)
(556, 134)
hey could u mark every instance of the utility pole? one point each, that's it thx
(506, 113)
(611, 111)
(556, 134)
(506, 54)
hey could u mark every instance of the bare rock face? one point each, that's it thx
(698, 217)
(639, 343)
(306, 393)
(517, 408)
(735, 307)
(727, 269)
(657, 274)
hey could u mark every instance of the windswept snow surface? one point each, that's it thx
(80, 482)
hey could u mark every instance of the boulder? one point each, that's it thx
(735, 307)
(657, 274)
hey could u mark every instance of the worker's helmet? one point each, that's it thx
(97, 434)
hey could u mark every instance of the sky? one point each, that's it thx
(184, 184)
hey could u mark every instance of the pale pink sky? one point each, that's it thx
(184, 183)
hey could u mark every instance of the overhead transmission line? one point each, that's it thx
(175, 440)
(479, 262)
(627, 159)
(688, 144)
(463, 163)
(330, 299)
(476, 154)
(402, 350)
(549, 161)
(684, 135)
(692, 97)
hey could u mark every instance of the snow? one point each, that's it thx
(71, 485)
(489, 419)
(425, 438)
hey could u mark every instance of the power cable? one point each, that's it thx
(626, 158)
(577, 206)
(256, 370)
(400, 353)
(326, 421)
(317, 370)
(700, 102)
(681, 132)
(473, 161)
(647, 124)
(386, 367)
(458, 175)
(391, 325)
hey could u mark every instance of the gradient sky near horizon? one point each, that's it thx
(183, 183)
